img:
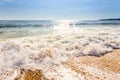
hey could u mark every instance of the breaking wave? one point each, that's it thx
(44, 51)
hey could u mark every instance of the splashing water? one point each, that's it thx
(52, 49)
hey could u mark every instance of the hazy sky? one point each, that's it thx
(59, 9)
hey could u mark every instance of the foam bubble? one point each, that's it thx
(42, 52)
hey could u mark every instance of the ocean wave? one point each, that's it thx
(44, 51)
(22, 25)
(40, 23)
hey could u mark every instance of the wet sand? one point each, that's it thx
(106, 67)
(90, 54)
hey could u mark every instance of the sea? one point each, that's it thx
(23, 28)
(47, 45)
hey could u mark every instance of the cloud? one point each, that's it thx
(9, 1)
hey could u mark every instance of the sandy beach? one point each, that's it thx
(62, 53)
(106, 67)
(60, 58)
(59, 40)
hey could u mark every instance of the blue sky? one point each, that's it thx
(59, 9)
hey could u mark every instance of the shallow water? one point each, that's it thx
(20, 28)
(43, 47)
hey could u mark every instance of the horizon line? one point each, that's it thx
(63, 19)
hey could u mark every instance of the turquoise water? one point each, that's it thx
(23, 28)
(53, 43)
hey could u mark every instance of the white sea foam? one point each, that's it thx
(45, 51)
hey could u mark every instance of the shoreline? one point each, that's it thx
(106, 67)
(53, 54)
